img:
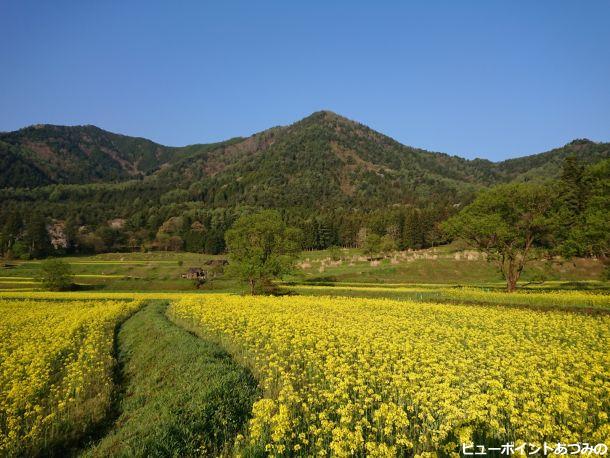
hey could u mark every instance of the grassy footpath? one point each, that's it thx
(182, 396)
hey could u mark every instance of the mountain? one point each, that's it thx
(549, 164)
(329, 176)
(321, 160)
(47, 154)
(328, 158)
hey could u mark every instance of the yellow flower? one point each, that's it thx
(55, 356)
(379, 377)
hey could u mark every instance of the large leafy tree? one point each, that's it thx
(261, 248)
(506, 222)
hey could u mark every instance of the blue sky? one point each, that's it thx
(492, 79)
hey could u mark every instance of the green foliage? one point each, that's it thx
(606, 273)
(387, 244)
(583, 213)
(335, 253)
(261, 248)
(506, 222)
(56, 275)
(326, 175)
(19, 250)
(372, 245)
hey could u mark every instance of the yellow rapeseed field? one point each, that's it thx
(536, 298)
(386, 378)
(55, 369)
(468, 294)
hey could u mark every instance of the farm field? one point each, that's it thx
(386, 378)
(443, 266)
(449, 264)
(181, 395)
(115, 271)
(305, 229)
(374, 377)
(359, 360)
(56, 370)
(593, 301)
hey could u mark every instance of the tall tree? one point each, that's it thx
(571, 190)
(372, 245)
(11, 230)
(573, 183)
(582, 215)
(505, 222)
(37, 237)
(262, 248)
(590, 236)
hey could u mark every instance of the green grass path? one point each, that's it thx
(180, 395)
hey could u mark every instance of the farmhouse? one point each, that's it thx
(195, 273)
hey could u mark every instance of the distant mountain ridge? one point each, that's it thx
(48, 154)
(323, 156)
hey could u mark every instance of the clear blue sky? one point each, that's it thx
(493, 79)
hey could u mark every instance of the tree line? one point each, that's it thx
(30, 231)
(513, 224)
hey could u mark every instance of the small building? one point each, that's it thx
(195, 273)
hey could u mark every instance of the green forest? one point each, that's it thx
(82, 190)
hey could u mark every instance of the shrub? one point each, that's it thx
(56, 275)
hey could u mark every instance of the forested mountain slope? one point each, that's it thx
(322, 158)
(47, 154)
(329, 176)
(548, 165)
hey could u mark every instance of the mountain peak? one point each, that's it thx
(580, 141)
(324, 149)
(328, 116)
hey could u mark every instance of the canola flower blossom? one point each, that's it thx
(86, 295)
(55, 369)
(552, 298)
(466, 294)
(378, 377)
(545, 298)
